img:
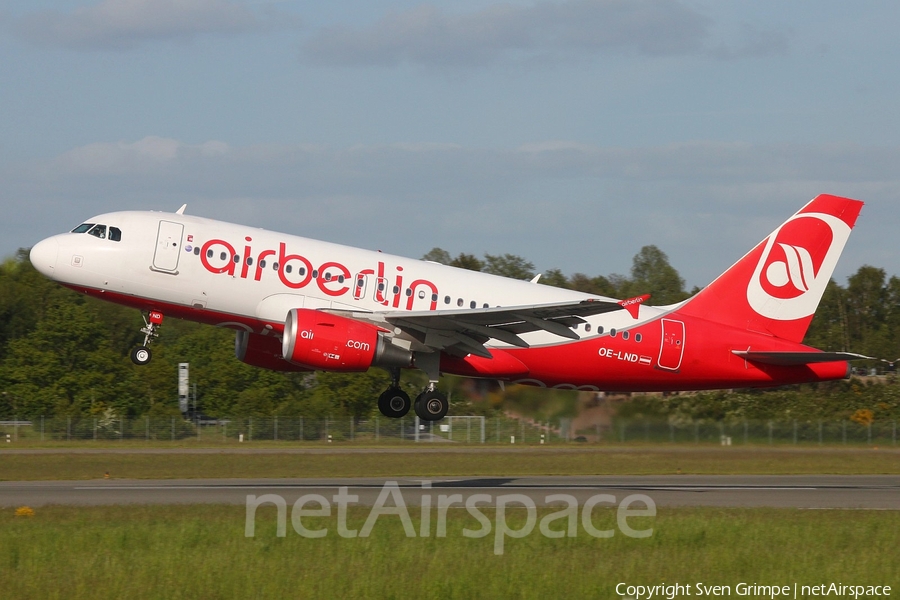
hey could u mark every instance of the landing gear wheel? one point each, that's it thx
(141, 355)
(431, 405)
(394, 403)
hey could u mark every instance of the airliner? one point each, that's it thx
(298, 304)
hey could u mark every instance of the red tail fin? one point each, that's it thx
(776, 287)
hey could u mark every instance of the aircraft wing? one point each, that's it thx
(787, 359)
(465, 331)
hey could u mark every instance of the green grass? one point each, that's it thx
(201, 552)
(425, 461)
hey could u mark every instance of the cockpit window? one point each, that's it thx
(99, 231)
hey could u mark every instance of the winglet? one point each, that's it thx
(536, 278)
(633, 305)
(180, 211)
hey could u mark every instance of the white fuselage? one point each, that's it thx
(249, 278)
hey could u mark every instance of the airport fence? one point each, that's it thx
(452, 429)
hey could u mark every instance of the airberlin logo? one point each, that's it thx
(790, 275)
(296, 271)
(795, 266)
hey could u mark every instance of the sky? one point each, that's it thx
(569, 132)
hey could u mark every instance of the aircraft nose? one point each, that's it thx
(43, 256)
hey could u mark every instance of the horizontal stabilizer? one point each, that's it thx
(787, 359)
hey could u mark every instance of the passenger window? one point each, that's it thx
(612, 332)
(98, 231)
(197, 250)
(209, 253)
(459, 301)
(625, 335)
(82, 228)
(115, 234)
(599, 329)
(446, 299)
(637, 337)
(587, 326)
(472, 304)
(223, 256)
(262, 264)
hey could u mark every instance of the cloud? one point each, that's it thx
(427, 35)
(137, 157)
(126, 24)
(367, 166)
(576, 206)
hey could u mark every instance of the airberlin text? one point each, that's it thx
(557, 524)
(296, 271)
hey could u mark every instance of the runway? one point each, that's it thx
(874, 492)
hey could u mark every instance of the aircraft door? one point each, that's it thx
(168, 246)
(671, 348)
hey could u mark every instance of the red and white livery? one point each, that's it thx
(300, 304)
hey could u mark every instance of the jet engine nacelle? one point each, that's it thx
(262, 351)
(322, 341)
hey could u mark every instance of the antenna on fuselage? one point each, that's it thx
(180, 211)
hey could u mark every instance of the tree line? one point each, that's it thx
(64, 354)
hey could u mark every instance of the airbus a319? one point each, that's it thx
(299, 304)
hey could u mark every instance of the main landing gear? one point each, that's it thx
(430, 405)
(142, 355)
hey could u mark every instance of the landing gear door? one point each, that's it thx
(168, 247)
(671, 348)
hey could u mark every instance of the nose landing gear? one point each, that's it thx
(142, 355)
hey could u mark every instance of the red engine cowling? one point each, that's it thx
(319, 340)
(262, 351)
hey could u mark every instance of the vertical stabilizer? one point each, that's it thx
(776, 287)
